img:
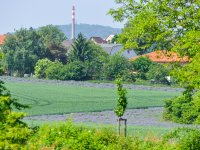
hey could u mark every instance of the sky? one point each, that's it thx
(35, 13)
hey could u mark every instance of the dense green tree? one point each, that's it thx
(80, 49)
(13, 132)
(22, 50)
(52, 38)
(117, 65)
(141, 64)
(97, 60)
(26, 46)
(158, 73)
(92, 55)
(156, 24)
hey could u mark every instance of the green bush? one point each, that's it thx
(54, 70)
(69, 136)
(41, 66)
(183, 109)
(13, 132)
(116, 66)
(185, 138)
(75, 70)
(158, 73)
(142, 64)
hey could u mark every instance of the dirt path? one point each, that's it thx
(88, 84)
(137, 117)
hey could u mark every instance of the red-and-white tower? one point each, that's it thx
(73, 23)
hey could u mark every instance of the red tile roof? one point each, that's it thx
(164, 56)
(2, 39)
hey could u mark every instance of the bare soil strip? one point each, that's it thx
(137, 117)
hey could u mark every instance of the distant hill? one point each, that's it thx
(89, 30)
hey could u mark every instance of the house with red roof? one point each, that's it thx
(2, 39)
(164, 56)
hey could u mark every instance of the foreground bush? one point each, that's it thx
(13, 132)
(185, 138)
(184, 109)
(67, 136)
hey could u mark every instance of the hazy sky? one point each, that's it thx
(34, 13)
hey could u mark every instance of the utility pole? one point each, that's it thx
(73, 23)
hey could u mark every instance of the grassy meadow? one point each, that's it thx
(49, 98)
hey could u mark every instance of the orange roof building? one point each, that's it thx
(2, 39)
(163, 56)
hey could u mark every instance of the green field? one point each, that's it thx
(49, 98)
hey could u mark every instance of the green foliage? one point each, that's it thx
(26, 46)
(115, 39)
(80, 49)
(98, 59)
(75, 70)
(185, 108)
(188, 45)
(171, 25)
(13, 132)
(54, 70)
(91, 55)
(188, 75)
(185, 138)
(51, 36)
(41, 66)
(69, 136)
(156, 24)
(89, 66)
(122, 100)
(22, 50)
(158, 73)
(117, 66)
(142, 32)
(142, 64)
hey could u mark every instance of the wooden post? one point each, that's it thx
(119, 126)
(125, 127)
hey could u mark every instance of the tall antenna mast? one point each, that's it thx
(73, 23)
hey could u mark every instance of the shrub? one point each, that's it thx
(75, 70)
(13, 132)
(69, 136)
(158, 73)
(41, 66)
(142, 64)
(186, 138)
(53, 71)
(116, 66)
(183, 109)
